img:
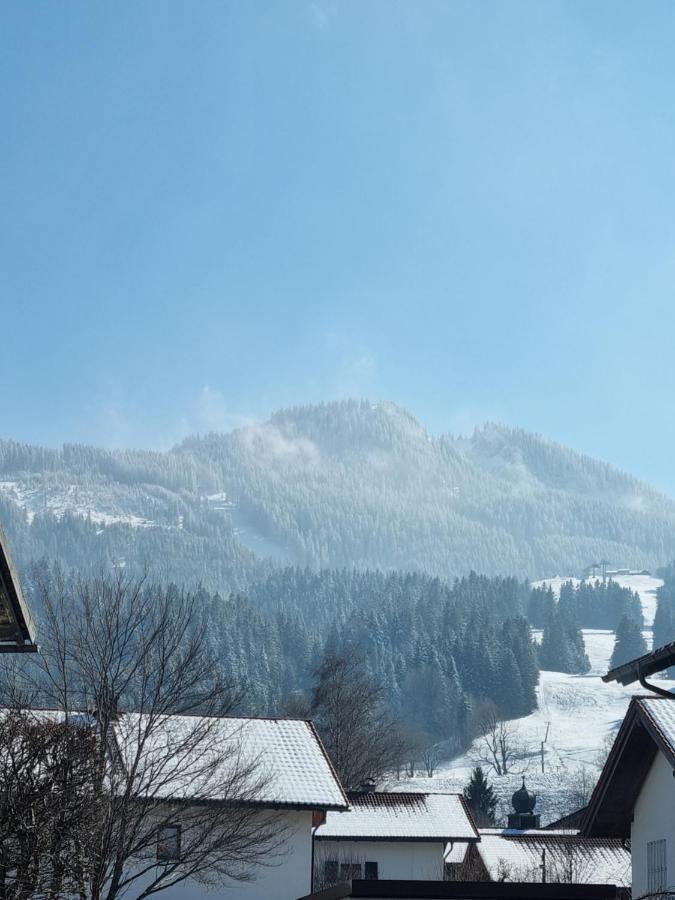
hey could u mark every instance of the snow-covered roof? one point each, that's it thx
(661, 712)
(400, 817)
(455, 852)
(285, 757)
(518, 856)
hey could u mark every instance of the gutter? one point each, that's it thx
(652, 687)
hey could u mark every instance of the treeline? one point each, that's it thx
(588, 604)
(440, 652)
(437, 649)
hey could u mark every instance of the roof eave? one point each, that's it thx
(260, 804)
(435, 839)
(25, 640)
(329, 761)
(642, 666)
(636, 718)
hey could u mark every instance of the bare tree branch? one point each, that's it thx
(140, 743)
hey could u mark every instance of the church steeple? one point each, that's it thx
(523, 803)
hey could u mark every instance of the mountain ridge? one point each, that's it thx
(347, 483)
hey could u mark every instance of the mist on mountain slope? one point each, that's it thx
(350, 483)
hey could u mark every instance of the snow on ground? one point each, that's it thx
(74, 499)
(576, 714)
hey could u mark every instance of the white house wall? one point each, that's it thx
(654, 820)
(288, 879)
(417, 860)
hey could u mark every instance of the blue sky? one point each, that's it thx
(211, 210)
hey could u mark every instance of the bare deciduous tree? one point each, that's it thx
(156, 755)
(47, 803)
(560, 862)
(361, 738)
(472, 867)
(430, 756)
(499, 746)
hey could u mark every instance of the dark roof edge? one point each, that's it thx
(469, 815)
(637, 714)
(315, 733)
(468, 890)
(394, 839)
(643, 666)
(19, 607)
(259, 804)
(609, 768)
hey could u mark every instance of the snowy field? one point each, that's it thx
(577, 714)
(93, 503)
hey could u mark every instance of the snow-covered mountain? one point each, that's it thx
(332, 485)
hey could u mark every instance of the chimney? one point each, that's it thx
(523, 803)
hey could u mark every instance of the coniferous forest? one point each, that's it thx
(349, 484)
(346, 527)
(442, 652)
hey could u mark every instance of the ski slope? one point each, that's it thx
(578, 716)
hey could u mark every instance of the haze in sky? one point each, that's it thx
(213, 209)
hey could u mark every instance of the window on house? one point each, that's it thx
(168, 843)
(330, 871)
(370, 871)
(657, 875)
(349, 871)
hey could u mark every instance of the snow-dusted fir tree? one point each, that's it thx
(562, 646)
(481, 798)
(629, 642)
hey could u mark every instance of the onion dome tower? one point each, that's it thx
(523, 803)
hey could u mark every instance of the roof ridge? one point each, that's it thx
(317, 738)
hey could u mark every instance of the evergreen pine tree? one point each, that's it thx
(540, 605)
(562, 646)
(516, 633)
(580, 663)
(569, 600)
(629, 642)
(480, 797)
(509, 695)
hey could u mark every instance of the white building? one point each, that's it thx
(298, 781)
(260, 773)
(635, 795)
(391, 836)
